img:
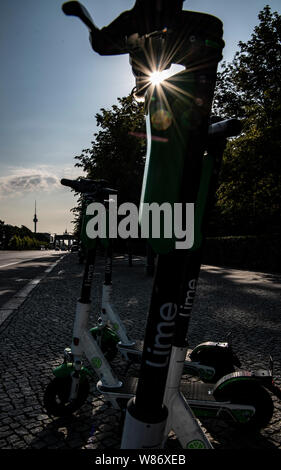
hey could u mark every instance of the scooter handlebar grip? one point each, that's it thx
(74, 8)
(67, 182)
(226, 128)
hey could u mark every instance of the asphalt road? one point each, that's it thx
(18, 268)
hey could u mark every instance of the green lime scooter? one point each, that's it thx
(154, 402)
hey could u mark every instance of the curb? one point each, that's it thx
(19, 298)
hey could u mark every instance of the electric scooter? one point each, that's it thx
(70, 387)
(150, 411)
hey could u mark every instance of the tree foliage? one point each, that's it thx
(20, 238)
(118, 151)
(250, 88)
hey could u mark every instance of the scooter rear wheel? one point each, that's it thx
(56, 397)
(253, 394)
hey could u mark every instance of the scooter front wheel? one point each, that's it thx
(56, 397)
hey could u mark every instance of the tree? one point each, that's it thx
(20, 238)
(2, 234)
(251, 83)
(250, 183)
(14, 243)
(118, 151)
(249, 88)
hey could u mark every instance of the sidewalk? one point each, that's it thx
(33, 338)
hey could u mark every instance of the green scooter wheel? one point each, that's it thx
(248, 393)
(56, 397)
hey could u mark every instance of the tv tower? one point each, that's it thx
(35, 220)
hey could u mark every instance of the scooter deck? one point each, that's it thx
(134, 352)
(197, 391)
(198, 395)
(191, 390)
(128, 387)
(119, 396)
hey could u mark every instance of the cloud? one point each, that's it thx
(22, 181)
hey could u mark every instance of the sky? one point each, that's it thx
(52, 84)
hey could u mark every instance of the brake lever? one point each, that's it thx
(157, 34)
(135, 42)
(75, 8)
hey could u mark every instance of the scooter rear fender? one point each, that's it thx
(242, 375)
(214, 350)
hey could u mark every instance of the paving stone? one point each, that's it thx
(35, 430)
(12, 439)
(5, 434)
(15, 425)
(28, 439)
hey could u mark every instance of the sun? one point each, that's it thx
(157, 77)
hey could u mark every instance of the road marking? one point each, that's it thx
(15, 302)
(22, 261)
(16, 262)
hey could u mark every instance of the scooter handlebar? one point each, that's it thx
(226, 128)
(74, 8)
(67, 182)
(88, 186)
(146, 18)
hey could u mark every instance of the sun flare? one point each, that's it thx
(157, 77)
